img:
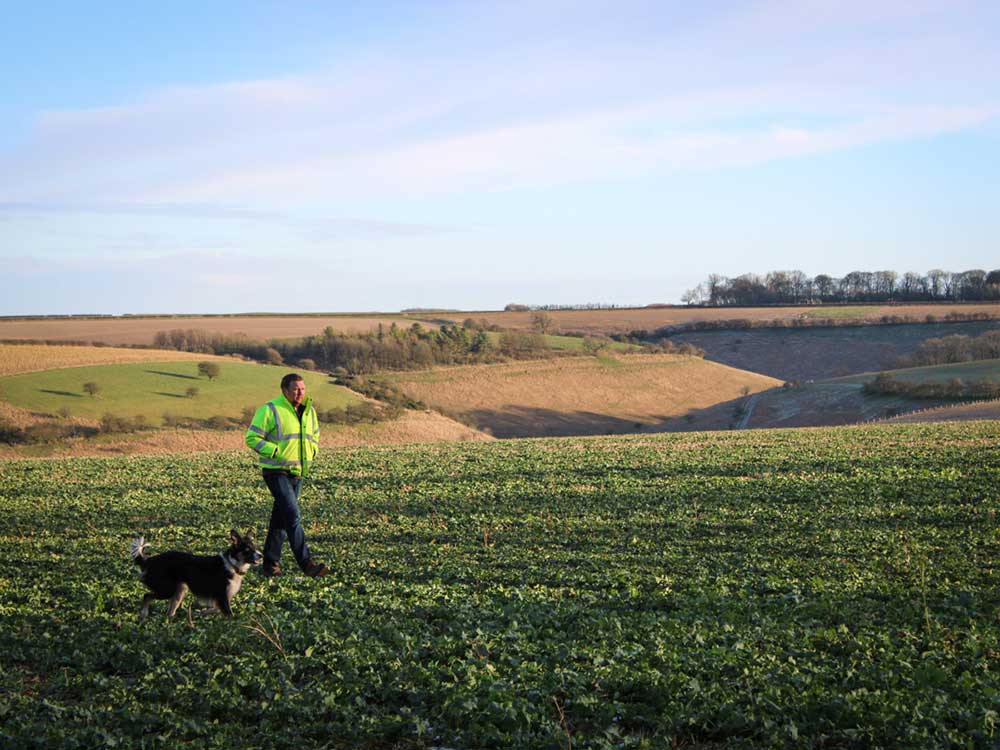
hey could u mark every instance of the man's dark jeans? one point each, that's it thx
(285, 520)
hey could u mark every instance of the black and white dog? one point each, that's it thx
(214, 579)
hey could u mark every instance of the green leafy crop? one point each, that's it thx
(817, 588)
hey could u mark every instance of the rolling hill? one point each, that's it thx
(578, 395)
(151, 389)
(800, 354)
(840, 401)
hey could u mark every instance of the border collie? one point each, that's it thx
(214, 579)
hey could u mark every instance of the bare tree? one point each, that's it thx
(542, 322)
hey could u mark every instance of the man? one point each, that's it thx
(285, 434)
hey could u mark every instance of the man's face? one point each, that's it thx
(295, 392)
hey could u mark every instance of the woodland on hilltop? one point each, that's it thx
(795, 287)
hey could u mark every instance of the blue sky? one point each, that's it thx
(309, 156)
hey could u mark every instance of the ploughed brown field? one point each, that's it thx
(18, 358)
(136, 330)
(651, 318)
(140, 330)
(579, 395)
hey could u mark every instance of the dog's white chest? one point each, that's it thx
(234, 585)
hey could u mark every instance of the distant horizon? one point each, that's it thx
(531, 308)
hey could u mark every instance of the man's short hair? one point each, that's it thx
(289, 379)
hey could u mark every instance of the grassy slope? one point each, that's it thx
(953, 413)
(800, 354)
(18, 358)
(833, 588)
(987, 369)
(571, 343)
(578, 395)
(841, 400)
(151, 389)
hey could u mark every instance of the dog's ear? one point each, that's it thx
(248, 534)
(234, 536)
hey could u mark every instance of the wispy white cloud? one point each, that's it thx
(772, 80)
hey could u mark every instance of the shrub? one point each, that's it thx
(542, 322)
(192, 392)
(46, 432)
(10, 433)
(593, 345)
(111, 423)
(92, 389)
(366, 411)
(307, 364)
(272, 356)
(219, 422)
(690, 350)
(209, 369)
(517, 343)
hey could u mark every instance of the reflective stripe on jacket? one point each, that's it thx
(281, 440)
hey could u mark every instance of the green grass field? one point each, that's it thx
(772, 589)
(987, 369)
(570, 343)
(836, 312)
(152, 389)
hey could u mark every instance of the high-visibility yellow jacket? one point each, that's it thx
(281, 439)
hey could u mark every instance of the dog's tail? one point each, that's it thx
(138, 551)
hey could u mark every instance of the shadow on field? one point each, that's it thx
(171, 395)
(817, 353)
(59, 393)
(173, 374)
(523, 421)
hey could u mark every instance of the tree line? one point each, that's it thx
(795, 287)
(518, 307)
(386, 348)
(954, 348)
(885, 384)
